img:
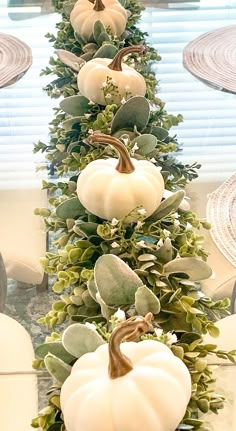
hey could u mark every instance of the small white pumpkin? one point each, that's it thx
(110, 190)
(129, 386)
(94, 76)
(86, 12)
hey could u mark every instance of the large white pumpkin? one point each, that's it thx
(125, 80)
(110, 12)
(127, 387)
(112, 190)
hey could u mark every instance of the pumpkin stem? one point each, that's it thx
(98, 6)
(116, 63)
(125, 165)
(130, 330)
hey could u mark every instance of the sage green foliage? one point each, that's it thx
(102, 269)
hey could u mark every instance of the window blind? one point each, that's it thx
(25, 110)
(208, 133)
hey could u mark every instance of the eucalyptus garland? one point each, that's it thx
(106, 271)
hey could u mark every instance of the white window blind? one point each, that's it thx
(208, 133)
(25, 110)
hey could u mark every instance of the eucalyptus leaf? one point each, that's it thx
(86, 228)
(146, 144)
(90, 47)
(103, 37)
(146, 301)
(70, 208)
(79, 339)
(98, 28)
(92, 288)
(168, 206)
(57, 368)
(115, 281)
(195, 268)
(69, 59)
(75, 105)
(67, 8)
(70, 123)
(87, 56)
(107, 50)
(106, 311)
(165, 252)
(160, 133)
(56, 348)
(134, 113)
(57, 426)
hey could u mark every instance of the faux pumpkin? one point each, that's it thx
(129, 386)
(110, 12)
(104, 81)
(112, 190)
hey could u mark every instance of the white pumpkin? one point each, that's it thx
(94, 76)
(110, 12)
(112, 190)
(129, 386)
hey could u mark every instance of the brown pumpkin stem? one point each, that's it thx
(98, 6)
(125, 165)
(116, 63)
(130, 330)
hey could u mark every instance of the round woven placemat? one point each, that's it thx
(15, 59)
(211, 58)
(221, 213)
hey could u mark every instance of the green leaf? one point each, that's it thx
(146, 144)
(70, 122)
(160, 133)
(69, 59)
(146, 301)
(56, 348)
(86, 228)
(75, 105)
(90, 47)
(213, 330)
(98, 28)
(165, 252)
(115, 281)
(71, 208)
(57, 426)
(79, 339)
(67, 8)
(106, 51)
(195, 268)
(103, 37)
(134, 113)
(168, 206)
(87, 56)
(92, 288)
(57, 368)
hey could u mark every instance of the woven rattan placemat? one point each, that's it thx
(221, 213)
(211, 57)
(15, 59)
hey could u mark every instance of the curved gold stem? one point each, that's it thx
(130, 330)
(125, 165)
(116, 63)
